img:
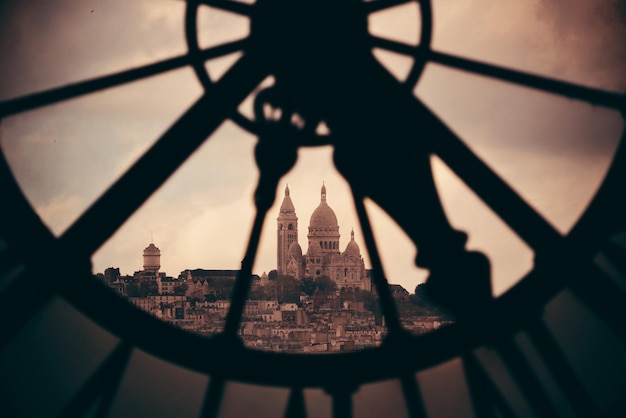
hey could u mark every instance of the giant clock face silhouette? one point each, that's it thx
(71, 347)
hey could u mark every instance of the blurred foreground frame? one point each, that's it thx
(383, 137)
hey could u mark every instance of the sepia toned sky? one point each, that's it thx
(553, 151)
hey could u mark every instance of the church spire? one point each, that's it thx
(287, 205)
(323, 193)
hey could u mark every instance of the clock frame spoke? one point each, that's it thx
(19, 297)
(112, 209)
(562, 88)
(101, 386)
(394, 46)
(484, 394)
(295, 405)
(526, 380)
(553, 358)
(378, 5)
(59, 94)
(232, 6)
(497, 194)
(413, 397)
(387, 304)
(244, 278)
(616, 254)
(342, 404)
(602, 296)
(213, 397)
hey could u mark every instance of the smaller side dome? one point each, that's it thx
(295, 250)
(352, 248)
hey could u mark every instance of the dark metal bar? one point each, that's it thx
(388, 305)
(378, 5)
(342, 404)
(295, 405)
(102, 384)
(26, 239)
(106, 215)
(498, 195)
(213, 397)
(603, 297)
(413, 397)
(564, 375)
(22, 237)
(605, 214)
(35, 100)
(526, 380)
(423, 48)
(482, 401)
(19, 296)
(616, 255)
(244, 277)
(230, 6)
(484, 393)
(575, 91)
(395, 46)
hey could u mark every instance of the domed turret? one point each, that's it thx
(295, 250)
(323, 229)
(323, 216)
(151, 258)
(352, 249)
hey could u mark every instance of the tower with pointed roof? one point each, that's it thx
(287, 231)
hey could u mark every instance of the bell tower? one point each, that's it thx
(287, 230)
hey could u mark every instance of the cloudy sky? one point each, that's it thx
(554, 152)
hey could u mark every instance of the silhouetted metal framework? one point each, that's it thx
(329, 76)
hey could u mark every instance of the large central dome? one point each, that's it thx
(323, 216)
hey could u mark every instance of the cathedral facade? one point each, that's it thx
(323, 256)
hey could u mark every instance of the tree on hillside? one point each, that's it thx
(180, 289)
(147, 288)
(309, 285)
(422, 299)
(368, 299)
(326, 284)
(286, 289)
(222, 287)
